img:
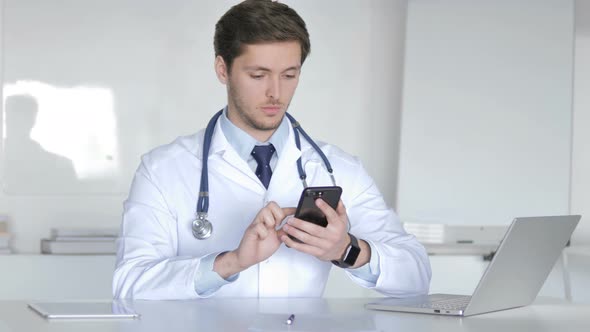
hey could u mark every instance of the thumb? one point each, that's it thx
(289, 211)
(341, 209)
(280, 233)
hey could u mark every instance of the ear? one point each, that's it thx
(221, 70)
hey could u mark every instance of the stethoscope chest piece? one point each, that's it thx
(202, 227)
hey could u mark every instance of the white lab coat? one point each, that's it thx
(158, 257)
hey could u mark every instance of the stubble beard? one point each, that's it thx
(247, 118)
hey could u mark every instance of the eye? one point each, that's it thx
(290, 76)
(257, 76)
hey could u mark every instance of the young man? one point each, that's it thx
(254, 184)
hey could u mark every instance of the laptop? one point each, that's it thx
(513, 278)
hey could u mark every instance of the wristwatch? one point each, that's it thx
(350, 254)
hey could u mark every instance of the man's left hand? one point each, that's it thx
(326, 243)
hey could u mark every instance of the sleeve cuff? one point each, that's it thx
(208, 281)
(368, 272)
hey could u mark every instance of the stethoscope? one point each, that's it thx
(202, 227)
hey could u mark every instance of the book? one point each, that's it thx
(81, 231)
(456, 234)
(3, 224)
(84, 238)
(78, 247)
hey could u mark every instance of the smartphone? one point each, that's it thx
(308, 211)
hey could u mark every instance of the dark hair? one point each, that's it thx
(258, 21)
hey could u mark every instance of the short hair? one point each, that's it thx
(256, 22)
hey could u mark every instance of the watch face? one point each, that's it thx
(353, 254)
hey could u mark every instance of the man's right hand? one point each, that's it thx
(259, 242)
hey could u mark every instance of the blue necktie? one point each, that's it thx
(262, 154)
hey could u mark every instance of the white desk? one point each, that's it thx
(571, 251)
(311, 315)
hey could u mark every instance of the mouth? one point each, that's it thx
(271, 110)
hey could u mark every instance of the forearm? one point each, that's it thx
(226, 264)
(152, 279)
(404, 268)
(208, 281)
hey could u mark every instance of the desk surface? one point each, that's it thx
(310, 315)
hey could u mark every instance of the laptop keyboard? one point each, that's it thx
(454, 303)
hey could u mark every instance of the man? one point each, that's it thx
(260, 47)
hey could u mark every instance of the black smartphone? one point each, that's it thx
(308, 211)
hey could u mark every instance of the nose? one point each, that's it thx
(273, 89)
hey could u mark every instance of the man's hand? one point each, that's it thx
(259, 242)
(326, 243)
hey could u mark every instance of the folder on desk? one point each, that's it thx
(82, 310)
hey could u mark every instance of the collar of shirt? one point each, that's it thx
(243, 143)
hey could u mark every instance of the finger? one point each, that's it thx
(307, 227)
(328, 211)
(289, 211)
(341, 209)
(281, 232)
(254, 231)
(276, 214)
(265, 217)
(311, 250)
(279, 214)
(305, 237)
(275, 209)
(261, 231)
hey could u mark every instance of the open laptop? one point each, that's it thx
(513, 278)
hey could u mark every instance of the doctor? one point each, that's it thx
(253, 186)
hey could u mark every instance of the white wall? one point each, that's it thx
(486, 120)
(580, 196)
(486, 123)
(114, 79)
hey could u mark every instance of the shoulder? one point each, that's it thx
(347, 168)
(334, 154)
(175, 152)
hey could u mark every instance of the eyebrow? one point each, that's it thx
(260, 68)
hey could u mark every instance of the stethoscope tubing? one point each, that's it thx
(202, 227)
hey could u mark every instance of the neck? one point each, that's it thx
(258, 134)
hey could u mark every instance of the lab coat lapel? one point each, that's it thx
(286, 169)
(235, 168)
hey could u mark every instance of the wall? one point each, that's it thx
(487, 125)
(113, 79)
(580, 195)
(486, 121)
